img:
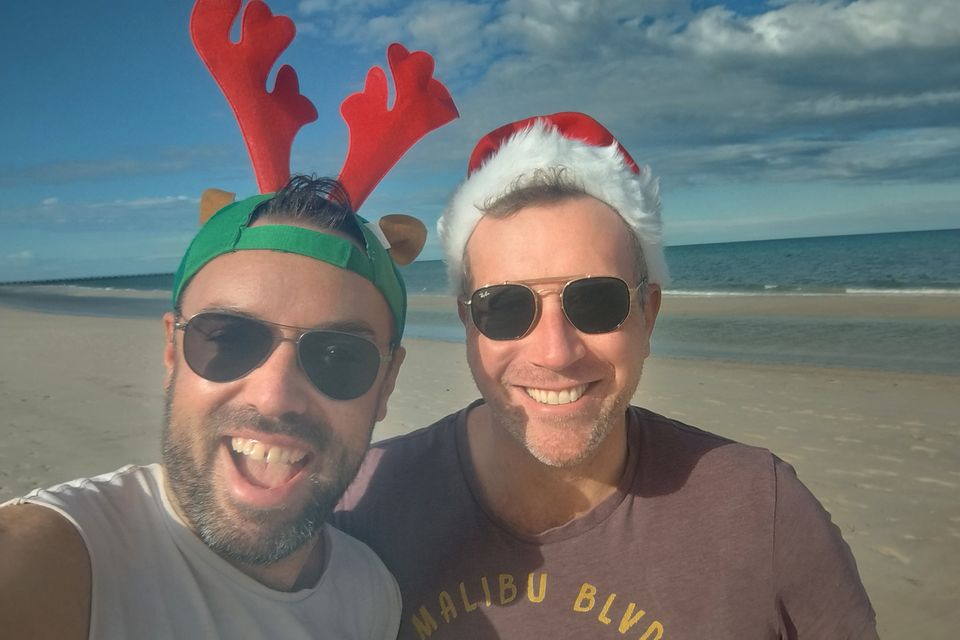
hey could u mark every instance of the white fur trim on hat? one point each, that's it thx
(600, 171)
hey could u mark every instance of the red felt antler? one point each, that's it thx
(268, 120)
(379, 137)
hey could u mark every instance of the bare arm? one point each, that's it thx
(44, 575)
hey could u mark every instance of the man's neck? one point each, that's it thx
(531, 496)
(302, 569)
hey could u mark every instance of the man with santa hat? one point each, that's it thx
(552, 507)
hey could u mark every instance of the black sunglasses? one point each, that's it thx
(222, 347)
(592, 304)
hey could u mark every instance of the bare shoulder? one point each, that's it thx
(44, 575)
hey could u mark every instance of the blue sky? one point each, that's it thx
(762, 119)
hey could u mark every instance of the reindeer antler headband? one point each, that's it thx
(269, 120)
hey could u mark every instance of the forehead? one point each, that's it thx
(578, 236)
(288, 289)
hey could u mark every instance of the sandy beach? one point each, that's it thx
(82, 395)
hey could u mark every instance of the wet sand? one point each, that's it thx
(82, 395)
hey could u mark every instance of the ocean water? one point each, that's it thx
(916, 262)
(912, 264)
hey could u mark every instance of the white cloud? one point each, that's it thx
(312, 7)
(900, 156)
(809, 27)
(309, 7)
(795, 90)
(145, 203)
(834, 104)
(580, 28)
(20, 257)
(806, 78)
(151, 213)
(811, 218)
(897, 156)
(165, 161)
(452, 30)
(50, 202)
(378, 29)
(307, 28)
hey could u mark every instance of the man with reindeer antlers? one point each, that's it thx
(552, 508)
(281, 351)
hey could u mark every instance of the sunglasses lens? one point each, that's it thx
(596, 305)
(342, 366)
(503, 311)
(221, 347)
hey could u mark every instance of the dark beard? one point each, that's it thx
(251, 536)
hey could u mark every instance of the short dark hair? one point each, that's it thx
(320, 202)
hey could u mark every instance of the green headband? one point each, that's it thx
(228, 231)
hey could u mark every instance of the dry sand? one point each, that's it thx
(82, 395)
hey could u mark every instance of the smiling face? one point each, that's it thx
(255, 465)
(558, 392)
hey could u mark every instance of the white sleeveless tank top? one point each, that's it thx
(153, 578)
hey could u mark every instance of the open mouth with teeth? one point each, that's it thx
(554, 396)
(267, 466)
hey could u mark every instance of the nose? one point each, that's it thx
(554, 343)
(278, 387)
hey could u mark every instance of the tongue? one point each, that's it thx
(261, 473)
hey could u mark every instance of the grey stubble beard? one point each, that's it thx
(514, 420)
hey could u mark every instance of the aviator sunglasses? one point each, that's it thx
(592, 304)
(222, 347)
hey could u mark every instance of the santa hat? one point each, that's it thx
(508, 159)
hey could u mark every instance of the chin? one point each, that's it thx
(565, 449)
(568, 441)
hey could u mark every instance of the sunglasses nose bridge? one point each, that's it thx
(277, 338)
(295, 342)
(543, 298)
(543, 293)
(553, 342)
(278, 385)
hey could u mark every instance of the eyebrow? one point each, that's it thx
(355, 327)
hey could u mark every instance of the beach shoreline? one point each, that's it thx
(82, 395)
(906, 332)
(912, 303)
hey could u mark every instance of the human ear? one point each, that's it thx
(169, 347)
(651, 306)
(390, 381)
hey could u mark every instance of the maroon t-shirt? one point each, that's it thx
(704, 538)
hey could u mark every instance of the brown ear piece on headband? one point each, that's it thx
(406, 235)
(212, 201)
